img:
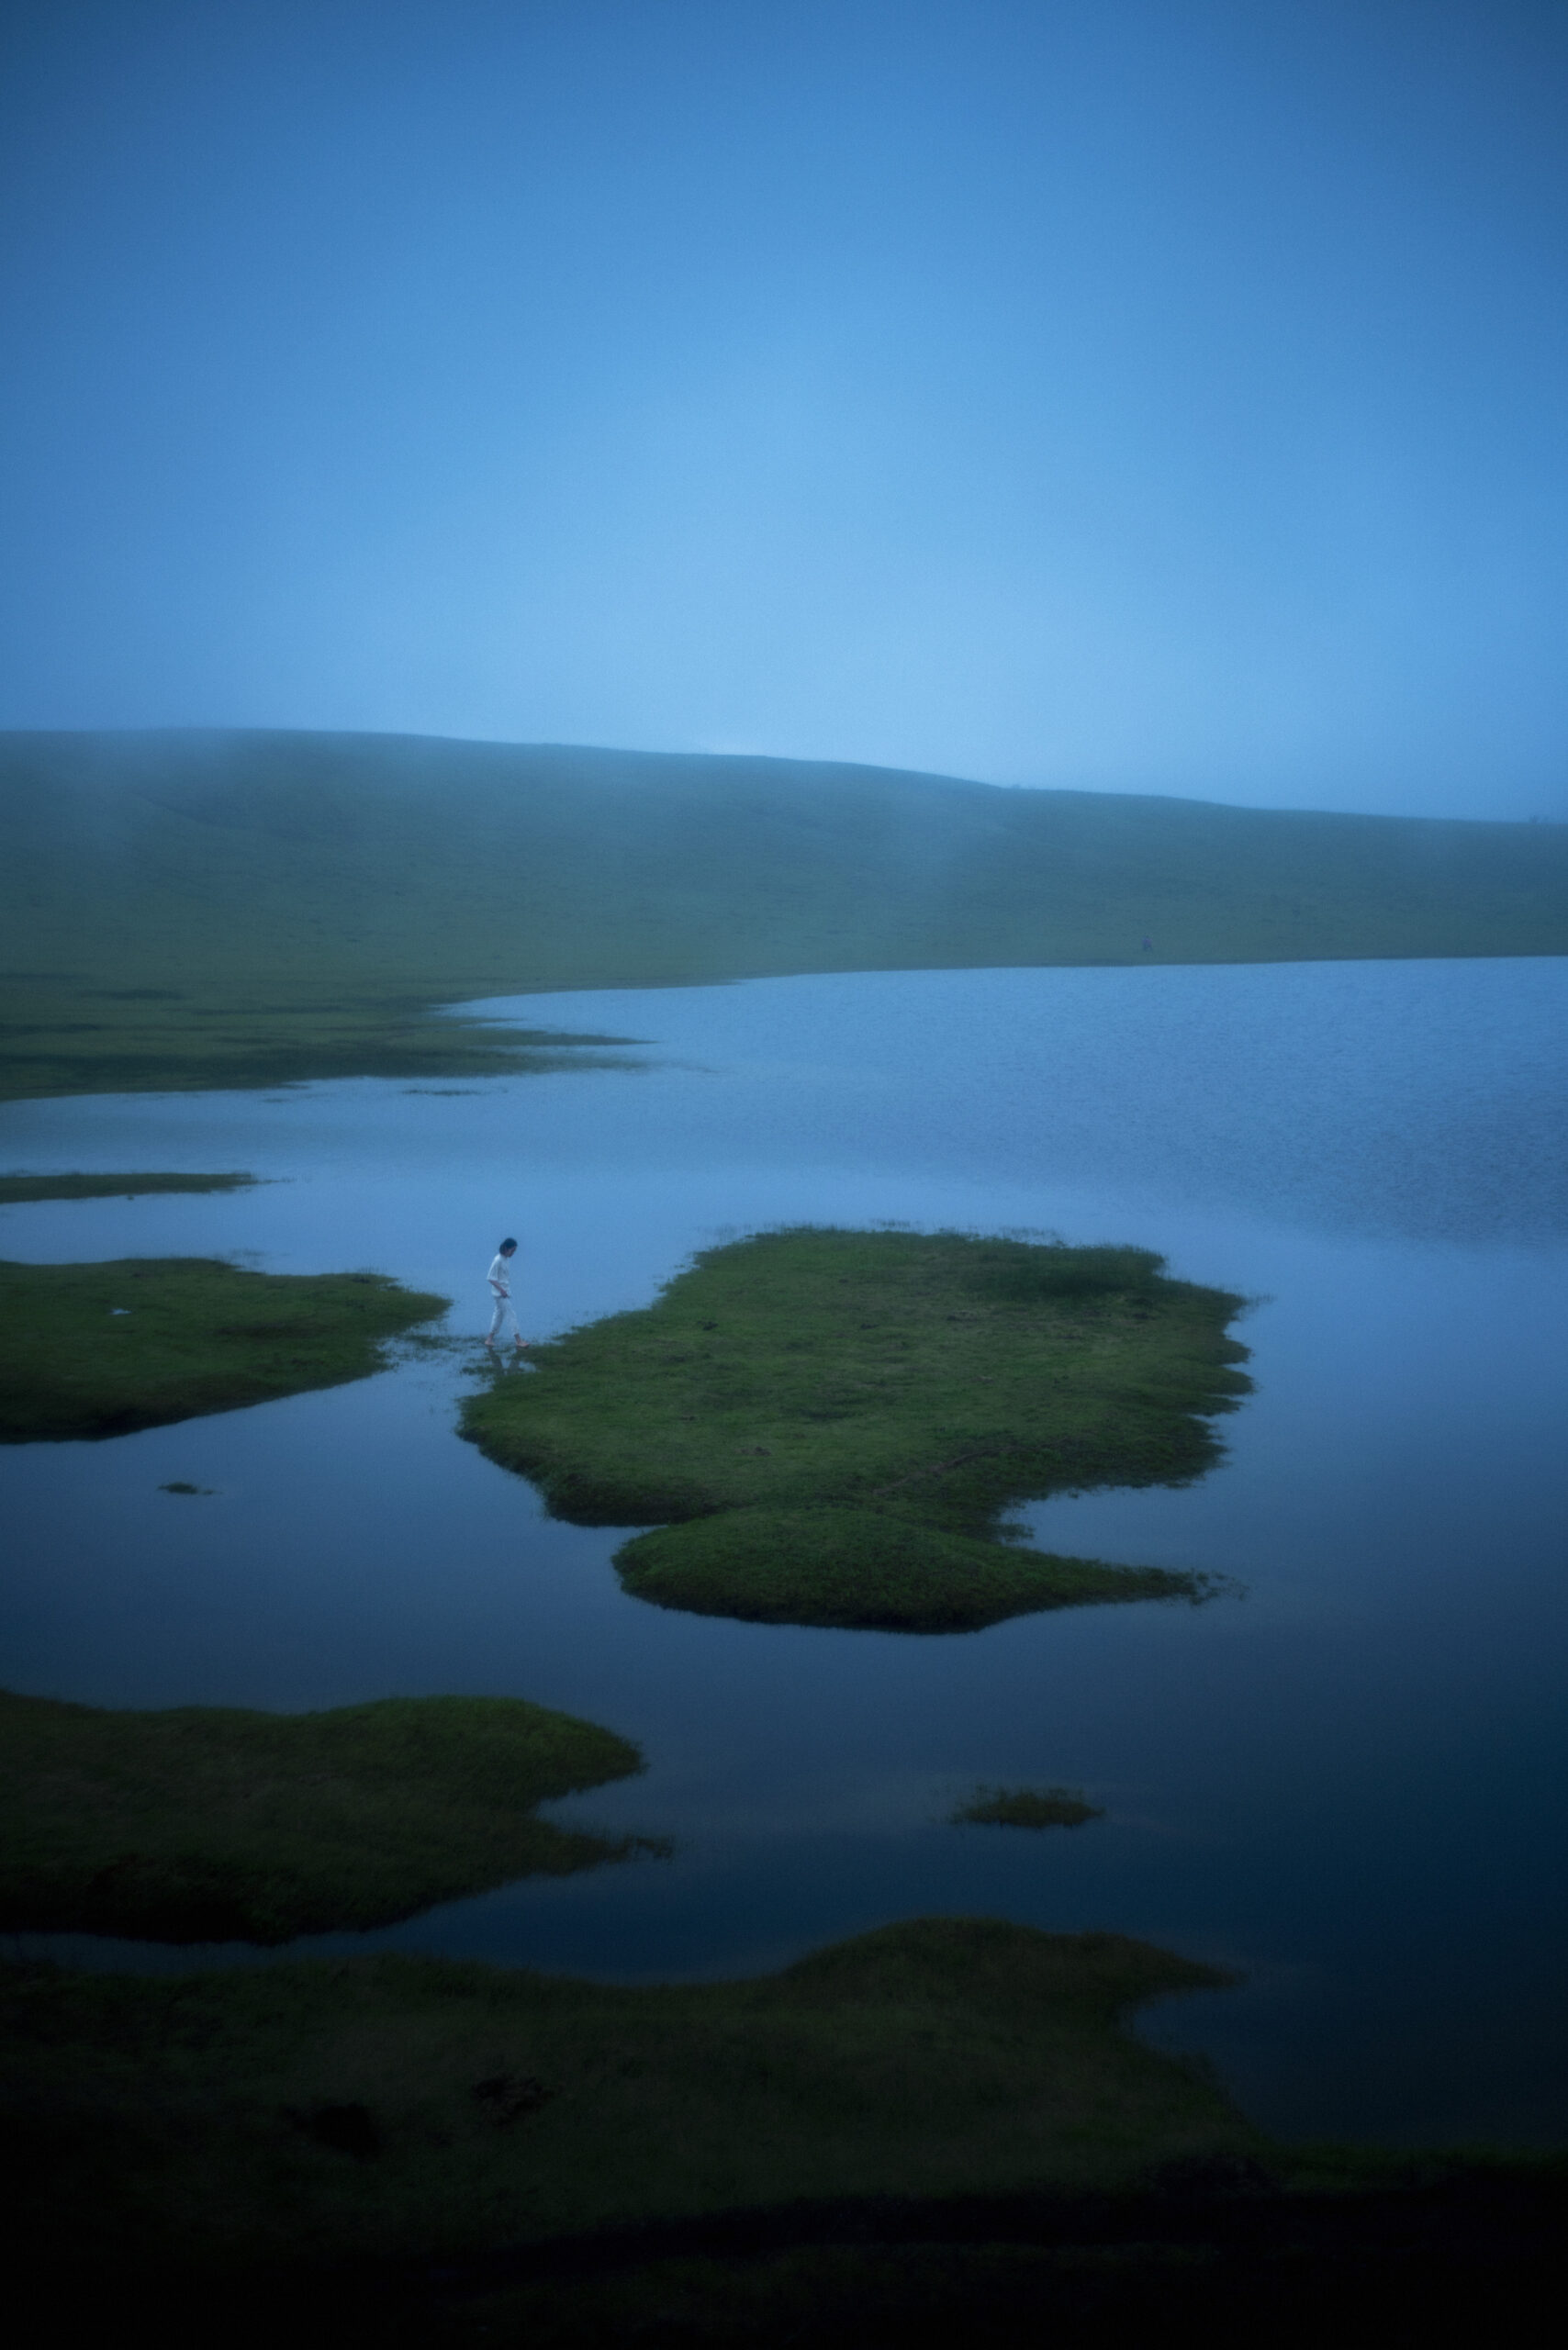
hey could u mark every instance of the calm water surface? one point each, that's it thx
(1348, 1783)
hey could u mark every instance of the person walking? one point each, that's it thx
(499, 1278)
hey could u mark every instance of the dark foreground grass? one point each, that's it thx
(834, 1422)
(210, 1824)
(937, 2133)
(16, 1189)
(1422, 2251)
(252, 908)
(397, 2106)
(98, 1350)
(1025, 1807)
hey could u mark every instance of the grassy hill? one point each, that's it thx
(243, 908)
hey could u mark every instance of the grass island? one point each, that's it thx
(211, 1823)
(824, 1427)
(100, 1351)
(17, 1190)
(1025, 1807)
(396, 2104)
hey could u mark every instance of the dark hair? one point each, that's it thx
(507, 1243)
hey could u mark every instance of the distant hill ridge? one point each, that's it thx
(405, 870)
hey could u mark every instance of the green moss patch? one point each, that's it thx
(859, 1570)
(1025, 1807)
(210, 1824)
(98, 1350)
(831, 1423)
(416, 2107)
(16, 1189)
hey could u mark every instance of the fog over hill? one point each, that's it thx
(263, 884)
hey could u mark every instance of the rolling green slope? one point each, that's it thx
(244, 908)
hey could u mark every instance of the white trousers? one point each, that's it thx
(504, 1312)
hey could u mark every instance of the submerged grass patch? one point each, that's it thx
(211, 1824)
(831, 1423)
(15, 1189)
(98, 1350)
(417, 2107)
(1025, 1807)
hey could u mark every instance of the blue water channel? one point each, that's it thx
(1346, 1782)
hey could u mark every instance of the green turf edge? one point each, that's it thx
(16, 1189)
(215, 1824)
(96, 1350)
(859, 1570)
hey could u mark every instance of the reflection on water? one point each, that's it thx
(1348, 1783)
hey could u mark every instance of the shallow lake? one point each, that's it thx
(1348, 1782)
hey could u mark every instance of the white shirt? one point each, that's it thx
(499, 1275)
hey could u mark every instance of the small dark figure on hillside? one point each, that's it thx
(1149, 946)
(505, 1315)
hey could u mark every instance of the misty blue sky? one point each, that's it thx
(1148, 394)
